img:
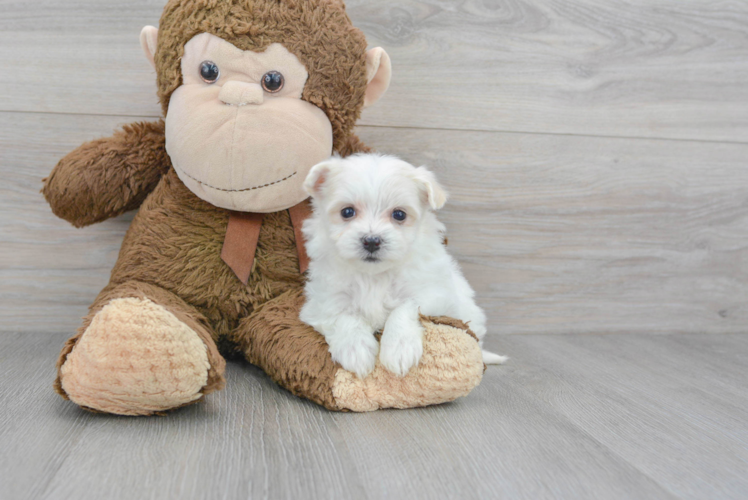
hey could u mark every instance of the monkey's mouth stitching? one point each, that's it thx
(236, 190)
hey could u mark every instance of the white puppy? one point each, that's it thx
(377, 259)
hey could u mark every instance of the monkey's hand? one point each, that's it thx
(107, 177)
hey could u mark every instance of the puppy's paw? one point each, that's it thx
(356, 354)
(400, 353)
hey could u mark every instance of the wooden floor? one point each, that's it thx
(597, 157)
(571, 416)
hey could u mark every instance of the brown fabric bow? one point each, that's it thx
(243, 233)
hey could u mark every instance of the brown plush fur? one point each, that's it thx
(293, 354)
(172, 251)
(108, 177)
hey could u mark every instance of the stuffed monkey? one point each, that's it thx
(254, 93)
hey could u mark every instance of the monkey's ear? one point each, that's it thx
(148, 41)
(378, 75)
(318, 175)
(435, 193)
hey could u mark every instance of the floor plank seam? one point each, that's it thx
(436, 129)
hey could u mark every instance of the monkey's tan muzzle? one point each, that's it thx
(241, 93)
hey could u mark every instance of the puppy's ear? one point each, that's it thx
(436, 196)
(318, 175)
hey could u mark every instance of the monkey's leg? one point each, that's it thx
(297, 358)
(141, 350)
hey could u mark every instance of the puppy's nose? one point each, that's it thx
(372, 243)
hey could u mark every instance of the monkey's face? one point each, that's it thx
(237, 131)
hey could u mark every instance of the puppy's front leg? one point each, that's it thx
(402, 340)
(352, 343)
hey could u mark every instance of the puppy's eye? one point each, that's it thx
(399, 215)
(272, 82)
(209, 72)
(348, 212)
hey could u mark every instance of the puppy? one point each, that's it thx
(377, 259)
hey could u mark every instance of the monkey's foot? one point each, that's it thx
(135, 358)
(451, 366)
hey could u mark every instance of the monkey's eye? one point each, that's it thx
(347, 212)
(272, 82)
(399, 215)
(209, 72)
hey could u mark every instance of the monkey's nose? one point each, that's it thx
(372, 243)
(241, 93)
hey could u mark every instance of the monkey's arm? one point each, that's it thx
(107, 177)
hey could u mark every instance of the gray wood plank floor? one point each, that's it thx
(571, 416)
(597, 158)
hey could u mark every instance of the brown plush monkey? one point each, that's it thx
(254, 93)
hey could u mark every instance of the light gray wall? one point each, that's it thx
(596, 152)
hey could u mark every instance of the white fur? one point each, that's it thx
(348, 298)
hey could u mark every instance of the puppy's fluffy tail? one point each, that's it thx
(490, 358)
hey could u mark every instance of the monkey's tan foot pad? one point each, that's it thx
(451, 367)
(135, 358)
